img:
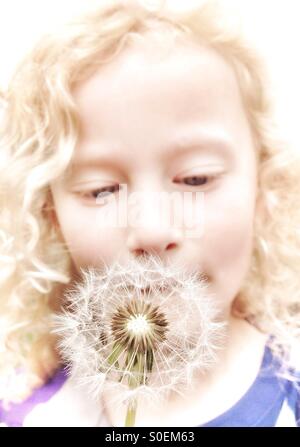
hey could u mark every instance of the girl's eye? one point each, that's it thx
(196, 180)
(99, 193)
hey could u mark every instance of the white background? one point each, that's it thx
(273, 24)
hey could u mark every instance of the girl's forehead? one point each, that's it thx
(190, 84)
(157, 58)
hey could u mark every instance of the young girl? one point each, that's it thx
(158, 101)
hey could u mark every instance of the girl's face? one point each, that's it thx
(162, 124)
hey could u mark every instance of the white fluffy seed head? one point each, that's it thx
(191, 335)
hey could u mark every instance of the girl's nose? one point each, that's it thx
(156, 241)
(154, 233)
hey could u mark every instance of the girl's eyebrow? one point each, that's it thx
(213, 144)
(187, 145)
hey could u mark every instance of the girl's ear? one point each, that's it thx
(53, 218)
(48, 211)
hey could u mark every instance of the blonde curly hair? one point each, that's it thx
(39, 130)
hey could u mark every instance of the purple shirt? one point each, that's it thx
(269, 402)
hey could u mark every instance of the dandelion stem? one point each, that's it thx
(137, 327)
(131, 413)
(138, 371)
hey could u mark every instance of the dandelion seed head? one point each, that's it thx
(138, 326)
(141, 329)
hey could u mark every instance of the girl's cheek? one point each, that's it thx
(90, 245)
(227, 248)
(86, 240)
